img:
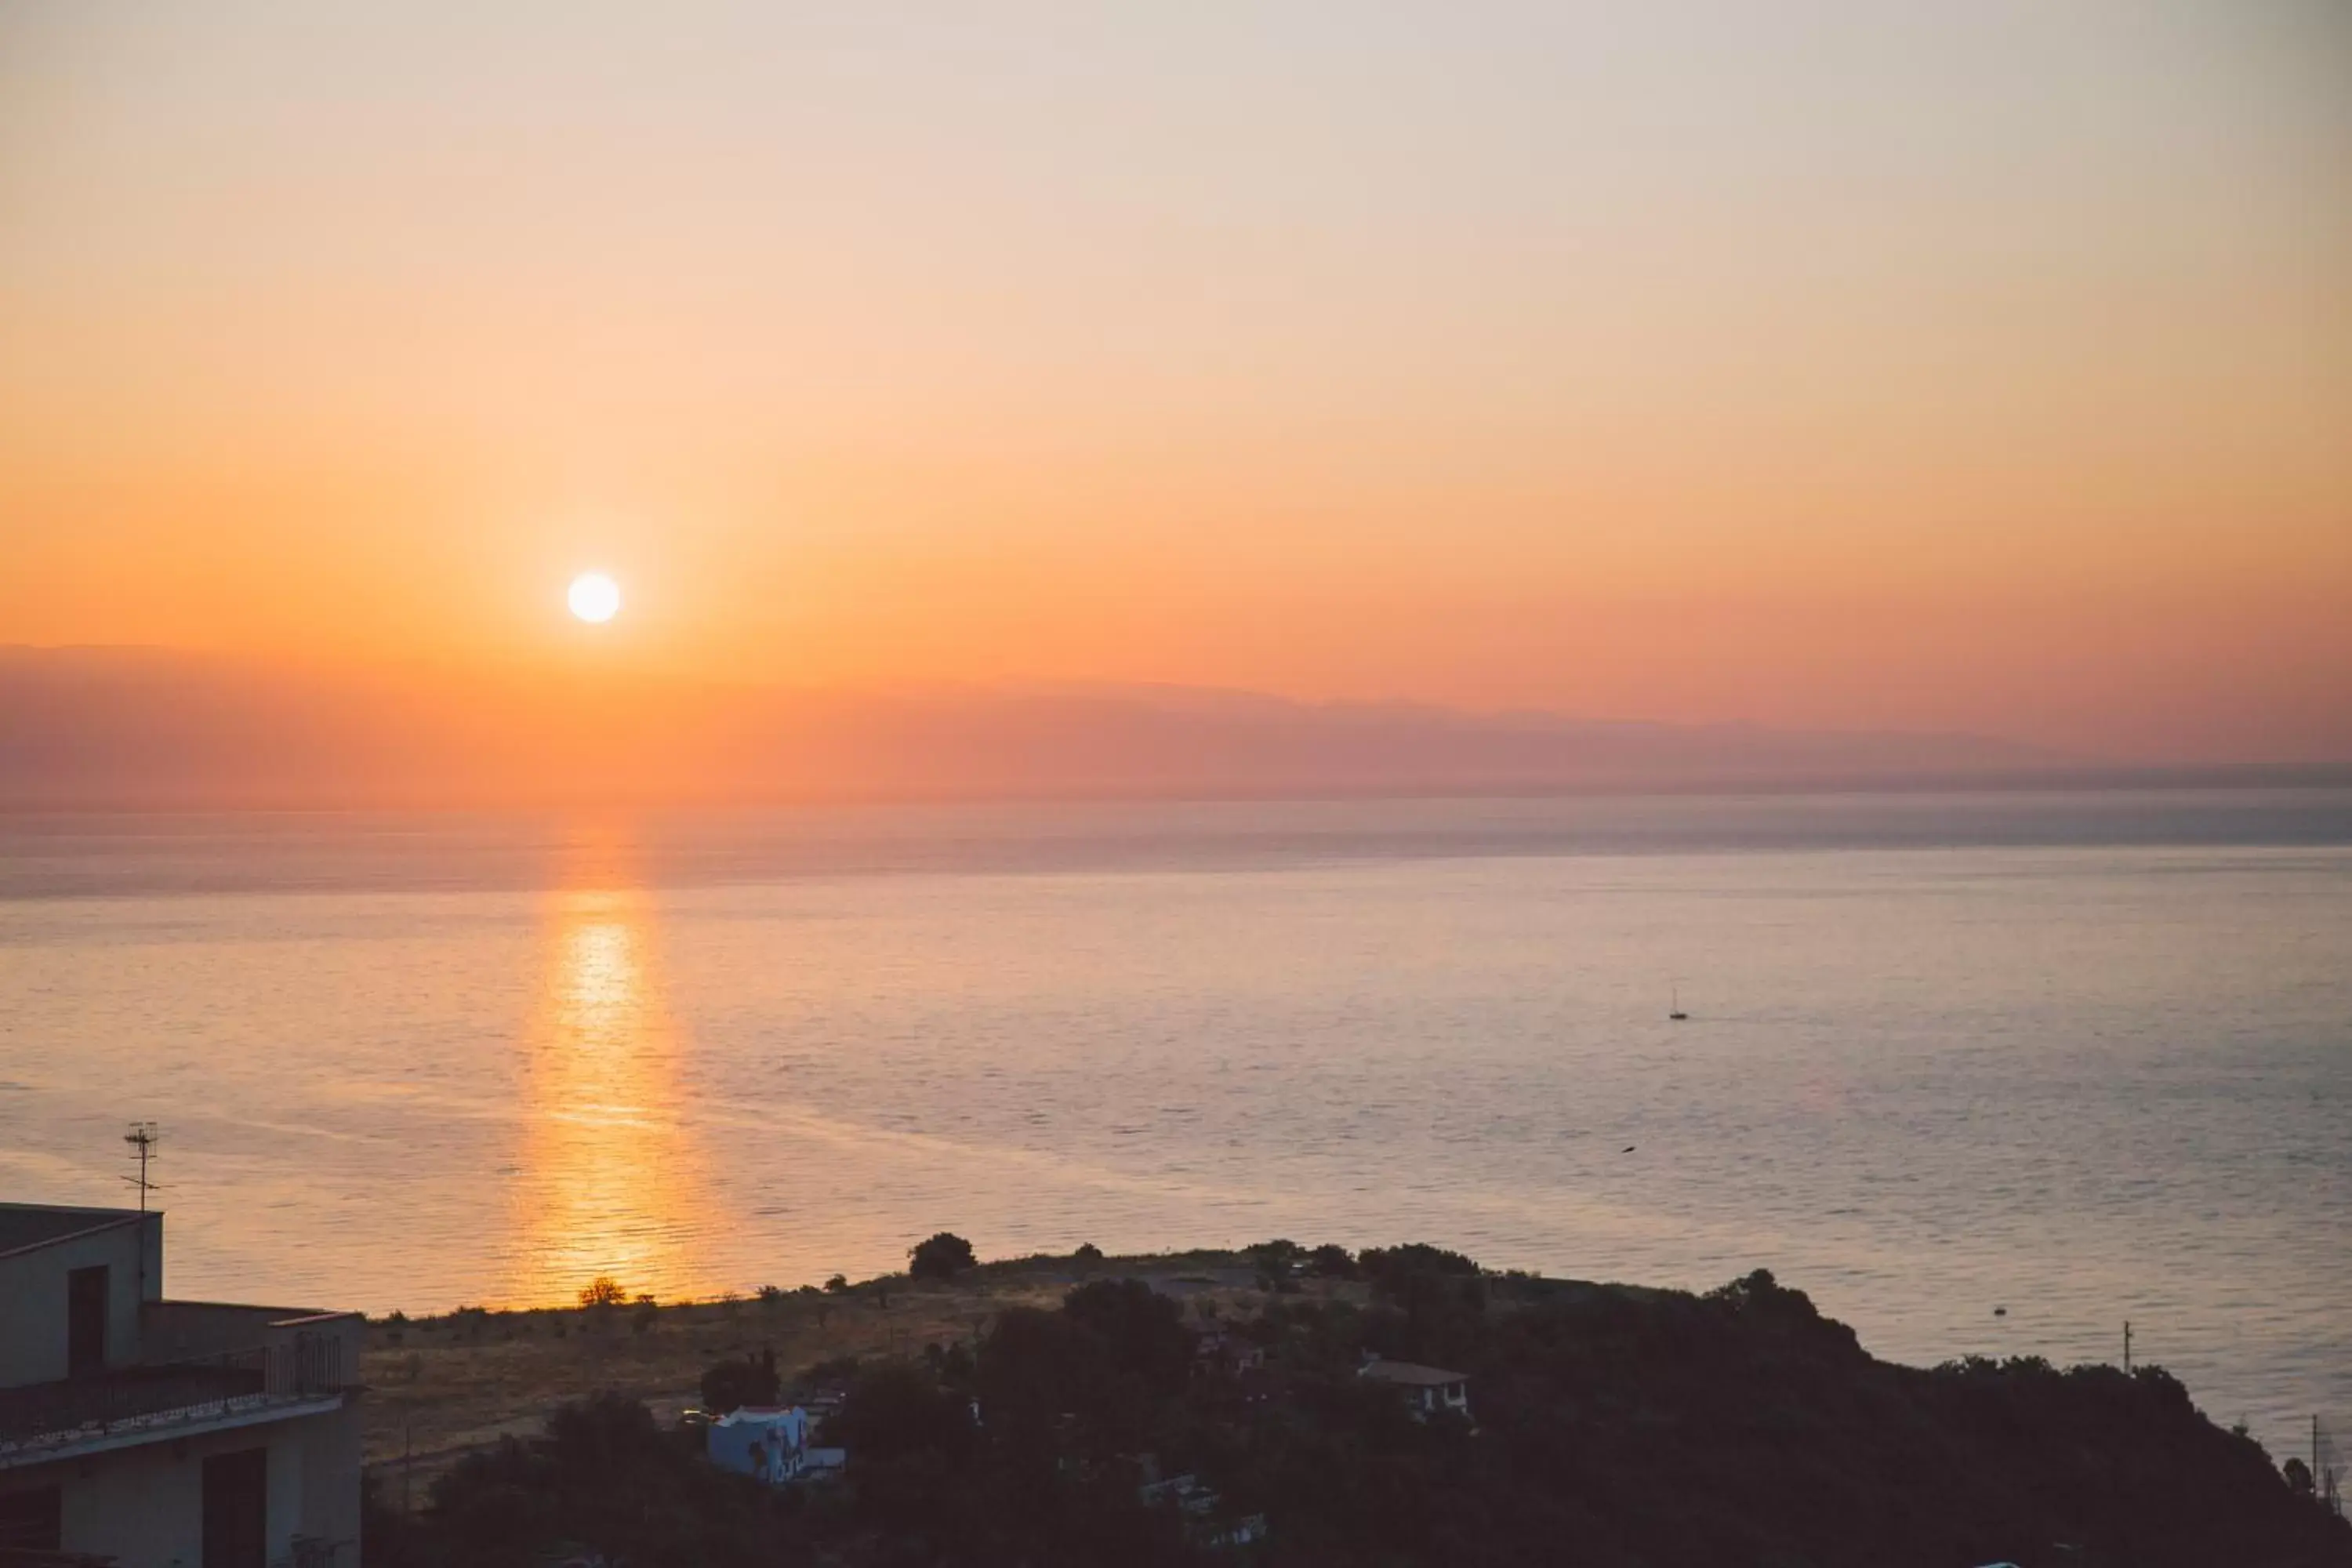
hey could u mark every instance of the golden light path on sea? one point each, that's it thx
(608, 1180)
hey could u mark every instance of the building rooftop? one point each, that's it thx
(26, 1226)
(1411, 1375)
(759, 1416)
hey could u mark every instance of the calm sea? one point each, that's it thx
(2088, 1057)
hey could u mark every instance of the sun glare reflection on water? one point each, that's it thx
(607, 1176)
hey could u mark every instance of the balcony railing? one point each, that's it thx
(310, 1552)
(122, 1400)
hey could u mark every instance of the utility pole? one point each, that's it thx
(2126, 1344)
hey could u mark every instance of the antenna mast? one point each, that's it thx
(143, 1139)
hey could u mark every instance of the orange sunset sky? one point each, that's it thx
(1982, 367)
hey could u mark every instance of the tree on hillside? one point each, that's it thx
(602, 1292)
(943, 1256)
(1276, 1261)
(1141, 1332)
(1332, 1261)
(1384, 1264)
(603, 1479)
(895, 1409)
(732, 1384)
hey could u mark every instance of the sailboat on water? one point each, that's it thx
(1675, 1014)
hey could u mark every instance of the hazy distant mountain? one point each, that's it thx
(115, 727)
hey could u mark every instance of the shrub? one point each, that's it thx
(1332, 1262)
(943, 1256)
(1273, 1255)
(602, 1291)
(732, 1384)
(1380, 1264)
(894, 1409)
(1141, 1331)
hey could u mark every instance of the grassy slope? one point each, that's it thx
(440, 1386)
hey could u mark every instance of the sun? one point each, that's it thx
(595, 597)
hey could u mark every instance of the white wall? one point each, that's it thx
(144, 1506)
(330, 1453)
(33, 1298)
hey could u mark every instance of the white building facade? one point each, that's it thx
(767, 1443)
(162, 1434)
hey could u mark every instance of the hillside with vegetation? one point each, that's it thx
(1209, 1420)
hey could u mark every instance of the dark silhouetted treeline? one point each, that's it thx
(1612, 1425)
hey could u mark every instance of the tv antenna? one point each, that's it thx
(143, 1139)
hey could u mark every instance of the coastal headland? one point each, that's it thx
(1284, 1404)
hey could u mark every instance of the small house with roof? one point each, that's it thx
(767, 1443)
(1426, 1389)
